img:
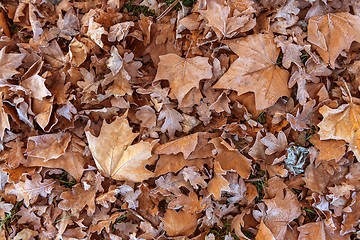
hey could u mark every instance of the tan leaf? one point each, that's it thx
(147, 116)
(328, 149)
(333, 33)
(95, 31)
(115, 62)
(190, 203)
(9, 62)
(26, 234)
(231, 159)
(119, 31)
(76, 199)
(312, 231)
(179, 223)
(281, 210)
(77, 52)
(174, 163)
(264, 233)
(4, 119)
(218, 16)
(71, 161)
(342, 123)
(31, 80)
(255, 70)
(183, 73)
(218, 183)
(172, 119)
(48, 146)
(352, 215)
(30, 190)
(115, 156)
(274, 144)
(185, 145)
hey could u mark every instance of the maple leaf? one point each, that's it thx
(342, 123)
(183, 73)
(179, 223)
(9, 62)
(29, 190)
(255, 70)
(115, 156)
(219, 19)
(333, 33)
(282, 209)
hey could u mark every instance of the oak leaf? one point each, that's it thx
(255, 70)
(218, 183)
(342, 123)
(179, 223)
(115, 156)
(29, 190)
(332, 33)
(183, 73)
(172, 119)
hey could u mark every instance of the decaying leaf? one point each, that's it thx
(115, 156)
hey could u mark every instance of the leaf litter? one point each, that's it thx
(152, 119)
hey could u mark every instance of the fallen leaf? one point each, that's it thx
(48, 146)
(341, 123)
(115, 156)
(264, 233)
(185, 145)
(183, 73)
(255, 70)
(30, 190)
(9, 62)
(231, 159)
(72, 160)
(328, 149)
(332, 33)
(281, 210)
(218, 183)
(179, 223)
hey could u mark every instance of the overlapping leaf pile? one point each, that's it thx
(235, 119)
